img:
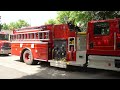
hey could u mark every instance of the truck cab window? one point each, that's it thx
(101, 28)
(4, 36)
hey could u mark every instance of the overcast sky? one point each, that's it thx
(34, 18)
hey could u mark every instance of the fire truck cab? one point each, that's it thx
(103, 44)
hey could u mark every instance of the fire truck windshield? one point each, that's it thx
(101, 28)
(4, 36)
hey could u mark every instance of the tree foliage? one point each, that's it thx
(97, 15)
(15, 25)
(83, 17)
(51, 21)
(62, 15)
(76, 17)
(5, 26)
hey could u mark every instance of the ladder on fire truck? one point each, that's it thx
(43, 35)
(34, 34)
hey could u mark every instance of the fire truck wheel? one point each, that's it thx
(28, 58)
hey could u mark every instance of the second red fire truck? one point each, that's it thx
(65, 44)
(5, 44)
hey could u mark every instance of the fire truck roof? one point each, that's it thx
(94, 21)
(34, 27)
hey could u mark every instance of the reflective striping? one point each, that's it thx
(30, 42)
(32, 31)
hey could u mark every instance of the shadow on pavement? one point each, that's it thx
(72, 72)
(4, 55)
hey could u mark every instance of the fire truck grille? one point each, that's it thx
(6, 46)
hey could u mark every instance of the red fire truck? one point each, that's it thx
(65, 44)
(5, 45)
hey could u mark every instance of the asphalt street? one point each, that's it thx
(12, 68)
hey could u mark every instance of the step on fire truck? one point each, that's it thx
(64, 44)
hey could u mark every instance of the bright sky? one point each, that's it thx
(34, 18)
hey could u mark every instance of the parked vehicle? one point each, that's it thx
(64, 44)
(5, 44)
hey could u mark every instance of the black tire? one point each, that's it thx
(28, 58)
(21, 58)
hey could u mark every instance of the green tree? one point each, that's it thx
(12, 26)
(83, 17)
(51, 21)
(1, 27)
(21, 23)
(15, 25)
(97, 15)
(77, 17)
(5, 26)
(62, 15)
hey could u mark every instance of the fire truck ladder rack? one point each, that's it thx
(43, 35)
(25, 36)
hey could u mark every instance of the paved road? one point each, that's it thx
(11, 68)
(9, 73)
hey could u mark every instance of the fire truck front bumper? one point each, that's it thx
(2, 51)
